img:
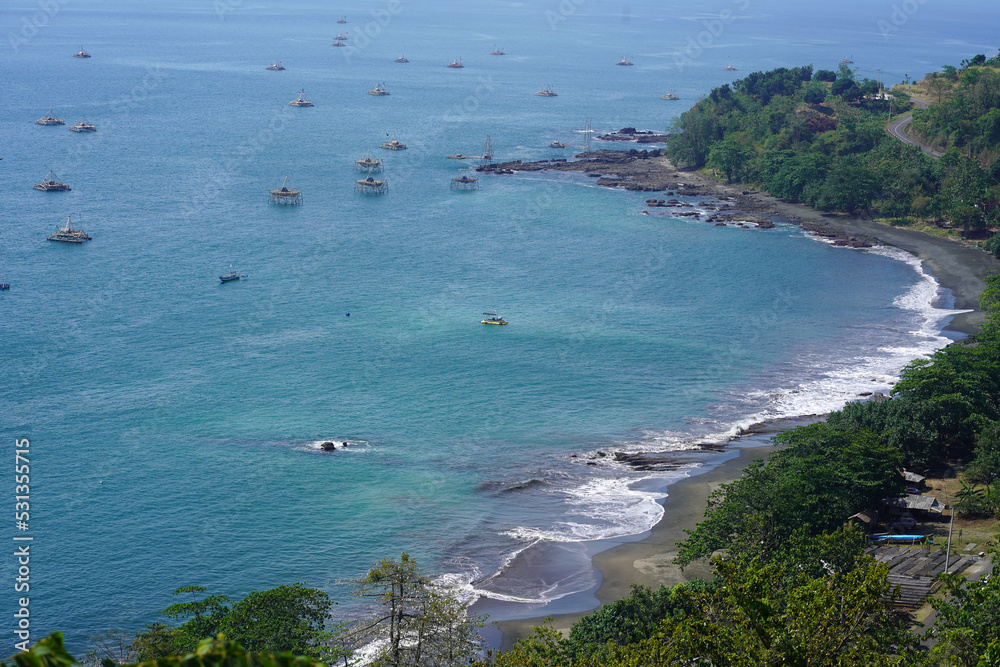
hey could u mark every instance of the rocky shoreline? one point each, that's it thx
(650, 171)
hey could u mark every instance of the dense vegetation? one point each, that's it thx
(791, 585)
(820, 139)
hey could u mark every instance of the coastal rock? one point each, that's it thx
(328, 446)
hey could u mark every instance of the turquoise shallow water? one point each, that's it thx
(174, 421)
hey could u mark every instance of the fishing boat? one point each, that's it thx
(496, 51)
(83, 126)
(229, 277)
(49, 119)
(456, 64)
(338, 43)
(547, 91)
(301, 101)
(625, 62)
(849, 60)
(669, 96)
(4, 286)
(69, 235)
(51, 183)
(81, 54)
(729, 68)
(340, 38)
(493, 318)
(342, 19)
(557, 144)
(401, 59)
(276, 66)
(379, 89)
(394, 145)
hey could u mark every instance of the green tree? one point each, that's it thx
(968, 618)
(287, 618)
(417, 622)
(730, 158)
(824, 475)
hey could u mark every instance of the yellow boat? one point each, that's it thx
(493, 318)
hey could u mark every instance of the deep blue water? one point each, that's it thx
(174, 421)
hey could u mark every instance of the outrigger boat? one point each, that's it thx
(456, 64)
(394, 145)
(49, 119)
(83, 126)
(379, 89)
(340, 38)
(547, 91)
(69, 235)
(493, 318)
(342, 19)
(338, 43)
(401, 59)
(669, 96)
(557, 144)
(52, 184)
(496, 51)
(625, 62)
(81, 54)
(276, 66)
(301, 101)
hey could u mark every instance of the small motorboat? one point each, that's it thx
(493, 318)
(231, 276)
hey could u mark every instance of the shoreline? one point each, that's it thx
(648, 561)
(958, 268)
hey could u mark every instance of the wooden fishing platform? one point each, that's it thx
(285, 195)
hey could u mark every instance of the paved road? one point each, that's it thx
(897, 128)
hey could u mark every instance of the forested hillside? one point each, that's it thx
(819, 139)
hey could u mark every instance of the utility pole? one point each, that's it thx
(947, 555)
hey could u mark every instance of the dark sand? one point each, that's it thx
(649, 562)
(957, 267)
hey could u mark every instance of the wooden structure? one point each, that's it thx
(368, 164)
(49, 119)
(285, 195)
(51, 183)
(915, 570)
(394, 145)
(83, 126)
(463, 182)
(371, 185)
(487, 156)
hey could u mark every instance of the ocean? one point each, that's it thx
(175, 422)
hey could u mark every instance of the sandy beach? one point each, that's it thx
(958, 268)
